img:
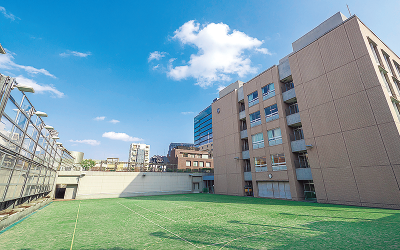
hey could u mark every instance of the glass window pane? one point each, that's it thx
(22, 120)
(5, 127)
(17, 95)
(17, 136)
(26, 106)
(11, 110)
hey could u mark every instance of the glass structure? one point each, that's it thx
(203, 127)
(29, 153)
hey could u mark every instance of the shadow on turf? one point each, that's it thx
(372, 234)
(365, 234)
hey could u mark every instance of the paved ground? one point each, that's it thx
(203, 221)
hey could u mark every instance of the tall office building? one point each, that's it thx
(139, 153)
(30, 155)
(203, 132)
(322, 124)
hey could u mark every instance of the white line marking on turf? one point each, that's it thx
(159, 226)
(155, 213)
(76, 222)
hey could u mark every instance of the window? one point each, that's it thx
(278, 162)
(302, 161)
(397, 66)
(387, 61)
(298, 134)
(188, 163)
(195, 163)
(386, 81)
(268, 91)
(292, 109)
(185, 154)
(257, 140)
(208, 164)
(271, 113)
(253, 98)
(201, 164)
(260, 164)
(396, 108)
(274, 137)
(375, 52)
(255, 119)
(204, 156)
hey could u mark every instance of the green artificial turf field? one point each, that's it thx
(203, 221)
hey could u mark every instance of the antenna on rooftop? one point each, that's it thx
(348, 9)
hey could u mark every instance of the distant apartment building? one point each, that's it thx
(190, 158)
(323, 124)
(203, 133)
(173, 145)
(139, 153)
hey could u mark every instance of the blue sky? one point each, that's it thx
(145, 69)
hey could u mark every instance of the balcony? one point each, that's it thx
(298, 146)
(243, 134)
(297, 141)
(240, 94)
(288, 93)
(245, 154)
(242, 115)
(247, 176)
(303, 174)
(293, 116)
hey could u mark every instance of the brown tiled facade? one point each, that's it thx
(330, 131)
(191, 159)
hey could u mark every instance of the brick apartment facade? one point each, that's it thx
(190, 158)
(322, 124)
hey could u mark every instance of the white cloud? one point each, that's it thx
(75, 53)
(39, 88)
(114, 121)
(89, 142)
(7, 62)
(156, 67)
(264, 51)
(120, 136)
(187, 113)
(221, 87)
(100, 118)
(156, 55)
(220, 53)
(8, 15)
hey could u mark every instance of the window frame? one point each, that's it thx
(273, 115)
(257, 144)
(275, 140)
(269, 93)
(253, 101)
(278, 166)
(257, 121)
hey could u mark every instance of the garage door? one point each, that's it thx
(276, 189)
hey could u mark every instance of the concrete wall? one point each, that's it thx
(96, 184)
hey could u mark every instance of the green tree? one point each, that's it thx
(88, 164)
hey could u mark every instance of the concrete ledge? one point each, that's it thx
(21, 211)
(128, 194)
